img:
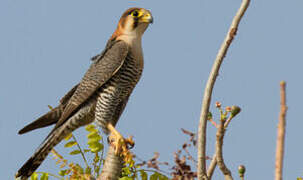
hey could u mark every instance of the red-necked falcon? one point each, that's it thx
(102, 93)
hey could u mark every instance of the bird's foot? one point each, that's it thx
(120, 144)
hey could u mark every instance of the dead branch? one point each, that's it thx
(281, 132)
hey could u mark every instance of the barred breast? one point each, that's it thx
(113, 96)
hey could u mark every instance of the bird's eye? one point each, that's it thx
(135, 13)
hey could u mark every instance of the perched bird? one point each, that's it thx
(102, 93)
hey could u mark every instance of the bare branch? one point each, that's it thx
(209, 87)
(112, 166)
(213, 163)
(212, 166)
(219, 151)
(281, 132)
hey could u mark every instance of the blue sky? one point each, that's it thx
(45, 47)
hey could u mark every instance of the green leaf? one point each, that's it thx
(79, 168)
(93, 135)
(97, 158)
(143, 175)
(162, 177)
(97, 169)
(88, 170)
(50, 107)
(44, 176)
(92, 142)
(74, 152)
(90, 128)
(155, 176)
(86, 150)
(209, 115)
(34, 176)
(62, 172)
(96, 147)
(68, 137)
(126, 171)
(70, 144)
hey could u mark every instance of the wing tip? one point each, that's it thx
(22, 131)
(26, 129)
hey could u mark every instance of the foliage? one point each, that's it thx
(134, 168)
(94, 150)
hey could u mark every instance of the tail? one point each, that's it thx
(46, 120)
(27, 169)
(41, 153)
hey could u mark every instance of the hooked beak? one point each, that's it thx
(147, 18)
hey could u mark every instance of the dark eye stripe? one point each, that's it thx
(129, 11)
(135, 13)
(135, 23)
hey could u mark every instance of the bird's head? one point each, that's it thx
(133, 24)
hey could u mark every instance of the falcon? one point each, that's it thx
(103, 92)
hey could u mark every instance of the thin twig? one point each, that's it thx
(209, 87)
(228, 121)
(95, 164)
(80, 149)
(281, 132)
(219, 151)
(213, 122)
(190, 157)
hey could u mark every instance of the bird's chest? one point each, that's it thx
(124, 81)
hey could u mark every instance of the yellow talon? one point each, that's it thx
(120, 144)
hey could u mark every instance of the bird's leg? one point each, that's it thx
(120, 144)
(116, 139)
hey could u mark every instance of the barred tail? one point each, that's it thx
(28, 168)
(41, 153)
(82, 117)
